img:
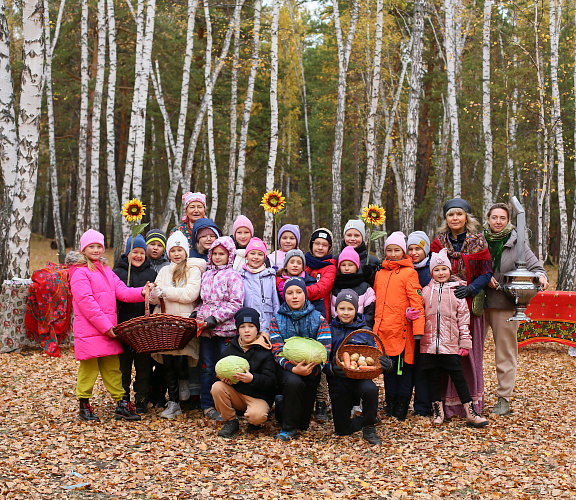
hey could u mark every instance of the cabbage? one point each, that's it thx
(298, 349)
(230, 365)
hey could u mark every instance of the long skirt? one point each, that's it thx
(473, 372)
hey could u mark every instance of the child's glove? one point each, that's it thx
(337, 369)
(157, 292)
(463, 291)
(386, 363)
(463, 352)
(412, 313)
(210, 322)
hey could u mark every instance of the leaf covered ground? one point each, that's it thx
(46, 452)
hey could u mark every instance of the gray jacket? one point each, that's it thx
(496, 299)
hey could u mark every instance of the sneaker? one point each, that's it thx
(86, 412)
(321, 412)
(172, 410)
(253, 429)
(183, 389)
(286, 435)
(213, 414)
(356, 411)
(369, 434)
(502, 407)
(229, 428)
(125, 411)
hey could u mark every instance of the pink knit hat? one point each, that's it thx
(242, 221)
(396, 238)
(440, 259)
(188, 198)
(256, 244)
(349, 254)
(89, 237)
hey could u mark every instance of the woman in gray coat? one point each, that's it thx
(502, 238)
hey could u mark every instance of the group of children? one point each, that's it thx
(251, 302)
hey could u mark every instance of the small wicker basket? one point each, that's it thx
(158, 332)
(363, 350)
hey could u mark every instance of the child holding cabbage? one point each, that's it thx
(298, 381)
(252, 389)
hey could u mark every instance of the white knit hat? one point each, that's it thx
(177, 239)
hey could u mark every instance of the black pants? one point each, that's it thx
(421, 397)
(175, 368)
(399, 386)
(143, 365)
(157, 383)
(299, 395)
(434, 364)
(344, 394)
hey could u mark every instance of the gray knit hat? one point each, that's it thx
(295, 253)
(356, 224)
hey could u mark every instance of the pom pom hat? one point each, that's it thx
(91, 237)
(177, 239)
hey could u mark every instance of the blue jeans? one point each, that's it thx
(210, 352)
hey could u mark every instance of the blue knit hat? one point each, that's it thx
(247, 315)
(139, 242)
(295, 281)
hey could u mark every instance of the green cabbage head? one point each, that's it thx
(298, 349)
(228, 367)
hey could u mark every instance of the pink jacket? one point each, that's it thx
(222, 292)
(94, 295)
(447, 327)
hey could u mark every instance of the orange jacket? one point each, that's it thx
(397, 288)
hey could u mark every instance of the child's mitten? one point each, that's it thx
(412, 313)
(463, 352)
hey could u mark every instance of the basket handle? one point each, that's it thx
(147, 305)
(361, 330)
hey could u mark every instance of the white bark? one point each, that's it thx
(94, 208)
(210, 114)
(83, 125)
(22, 179)
(271, 167)
(374, 95)
(343, 59)
(53, 170)
(486, 107)
(413, 118)
(239, 190)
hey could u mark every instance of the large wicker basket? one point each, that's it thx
(363, 350)
(158, 332)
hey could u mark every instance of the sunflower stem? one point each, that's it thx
(130, 259)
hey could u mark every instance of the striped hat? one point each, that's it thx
(156, 235)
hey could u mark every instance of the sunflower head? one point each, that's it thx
(374, 214)
(133, 210)
(273, 202)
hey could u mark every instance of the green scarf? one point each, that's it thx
(496, 242)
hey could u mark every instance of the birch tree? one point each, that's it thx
(248, 102)
(343, 60)
(486, 107)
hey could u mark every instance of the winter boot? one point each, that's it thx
(141, 405)
(229, 428)
(437, 413)
(401, 409)
(172, 410)
(502, 407)
(321, 413)
(473, 418)
(86, 412)
(125, 411)
(253, 429)
(391, 403)
(369, 434)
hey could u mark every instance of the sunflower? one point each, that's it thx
(133, 210)
(374, 214)
(273, 202)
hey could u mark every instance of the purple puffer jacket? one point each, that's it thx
(222, 292)
(447, 327)
(94, 295)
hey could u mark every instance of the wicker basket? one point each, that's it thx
(158, 332)
(363, 350)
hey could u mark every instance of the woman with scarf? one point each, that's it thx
(470, 258)
(502, 240)
(194, 209)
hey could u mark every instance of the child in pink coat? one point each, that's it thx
(446, 338)
(95, 289)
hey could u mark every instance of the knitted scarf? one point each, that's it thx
(422, 263)
(496, 242)
(302, 323)
(317, 262)
(351, 280)
(252, 270)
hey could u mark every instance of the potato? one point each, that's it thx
(361, 358)
(362, 362)
(369, 361)
(354, 357)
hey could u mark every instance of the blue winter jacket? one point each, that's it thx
(260, 294)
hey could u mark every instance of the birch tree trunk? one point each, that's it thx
(49, 45)
(239, 191)
(210, 114)
(22, 175)
(486, 107)
(451, 56)
(343, 59)
(94, 213)
(83, 125)
(271, 167)
(412, 118)
(371, 122)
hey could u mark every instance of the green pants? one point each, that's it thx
(109, 369)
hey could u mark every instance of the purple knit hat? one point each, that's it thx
(292, 228)
(396, 238)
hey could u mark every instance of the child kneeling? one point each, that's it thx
(254, 393)
(446, 338)
(345, 392)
